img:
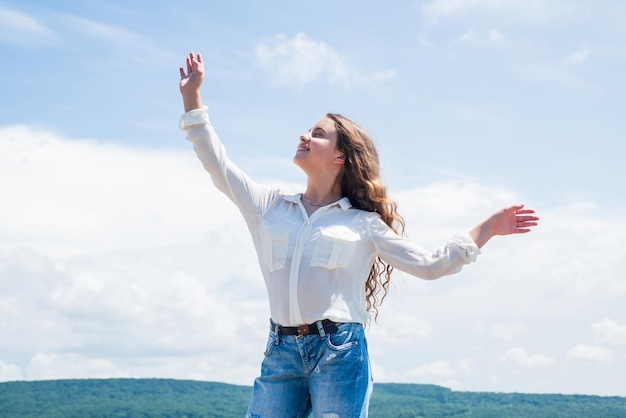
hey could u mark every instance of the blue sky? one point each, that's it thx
(116, 252)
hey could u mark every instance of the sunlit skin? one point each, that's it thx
(317, 149)
(512, 220)
(318, 157)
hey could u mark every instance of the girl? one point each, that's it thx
(326, 255)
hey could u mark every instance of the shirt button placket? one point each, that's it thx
(294, 309)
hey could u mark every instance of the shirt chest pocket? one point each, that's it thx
(334, 247)
(274, 244)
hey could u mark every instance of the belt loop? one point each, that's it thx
(321, 329)
(277, 332)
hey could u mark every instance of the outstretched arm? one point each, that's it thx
(511, 220)
(190, 82)
(250, 197)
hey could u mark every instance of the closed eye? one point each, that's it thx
(318, 133)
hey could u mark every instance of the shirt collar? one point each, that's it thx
(344, 202)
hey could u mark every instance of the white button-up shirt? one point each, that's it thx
(315, 267)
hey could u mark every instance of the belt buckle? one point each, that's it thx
(303, 330)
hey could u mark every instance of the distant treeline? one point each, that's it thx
(156, 398)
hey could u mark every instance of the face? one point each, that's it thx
(317, 148)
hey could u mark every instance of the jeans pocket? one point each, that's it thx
(342, 340)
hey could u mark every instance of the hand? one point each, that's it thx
(511, 220)
(191, 80)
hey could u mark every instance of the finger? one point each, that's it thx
(182, 72)
(200, 57)
(189, 68)
(511, 210)
(526, 218)
(522, 228)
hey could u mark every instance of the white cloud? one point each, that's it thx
(118, 37)
(466, 364)
(555, 270)
(109, 33)
(24, 29)
(438, 8)
(493, 37)
(591, 353)
(556, 74)
(100, 197)
(20, 28)
(114, 254)
(424, 41)
(469, 37)
(496, 37)
(521, 357)
(533, 11)
(302, 60)
(507, 332)
(579, 56)
(208, 366)
(106, 32)
(67, 365)
(450, 383)
(398, 327)
(609, 331)
(9, 372)
(443, 201)
(437, 368)
(587, 266)
(373, 79)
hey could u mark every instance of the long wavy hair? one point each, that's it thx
(361, 183)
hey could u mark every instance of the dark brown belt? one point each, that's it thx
(329, 327)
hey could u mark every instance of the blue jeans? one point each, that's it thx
(327, 375)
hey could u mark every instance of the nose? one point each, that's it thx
(304, 137)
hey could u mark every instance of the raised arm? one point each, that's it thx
(511, 220)
(191, 81)
(250, 197)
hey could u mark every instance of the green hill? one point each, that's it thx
(155, 398)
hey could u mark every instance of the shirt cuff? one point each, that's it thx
(466, 245)
(194, 117)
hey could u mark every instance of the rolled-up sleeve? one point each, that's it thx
(250, 197)
(411, 258)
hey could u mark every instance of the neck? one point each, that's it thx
(321, 195)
